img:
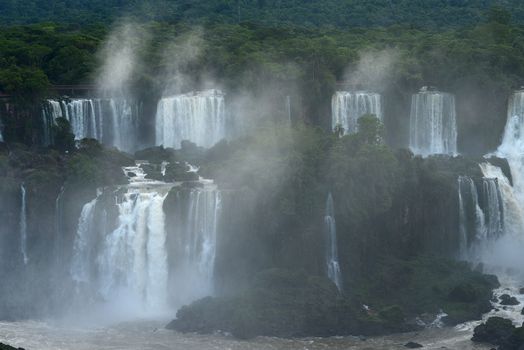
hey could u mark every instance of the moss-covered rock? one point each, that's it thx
(285, 303)
(495, 331)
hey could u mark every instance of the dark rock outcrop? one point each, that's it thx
(495, 331)
(506, 299)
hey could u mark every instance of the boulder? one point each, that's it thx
(506, 299)
(495, 331)
(413, 345)
(7, 347)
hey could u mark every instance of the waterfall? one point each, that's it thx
(132, 259)
(503, 243)
(113, 122)
(288, 110)
(126, 255)
(347, 107)
(469, 207)
(494, 205)
(23, 225)
(196, 241)
(481, 220)
(333, 267)
(433, 126)
(83, 244)
(463, 230)
(59, 219)
(198, 117)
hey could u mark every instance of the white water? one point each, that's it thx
(196, 241)
(131, 265)
(113, 122)
(59, 238)
(333, 266)
(198, 117)
(469, 203)
(480, 227)
(23, 225)
(433, 125)
(500, 246)
(347, 107)
(148, 335)
(288, 110)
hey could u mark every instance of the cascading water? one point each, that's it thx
(433, 125)
(126, 254)
(494, 221)
(84, 241)
(198, 117)
(481, 220)
(194, 244)
(59, 220)
(469, 207)
(113, 122)
(347, 107)
(23, 225)
(333, 267)
(288, 109)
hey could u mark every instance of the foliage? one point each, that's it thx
(290, 303)
(315, 13)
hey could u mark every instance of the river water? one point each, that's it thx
(150, 335)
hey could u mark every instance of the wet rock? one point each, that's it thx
(7, 347)
(495, 331)
(521, 290)
(506, 299)
(522, 312)
(413, 345)
(131, 174)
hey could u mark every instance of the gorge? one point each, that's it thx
(226, 185)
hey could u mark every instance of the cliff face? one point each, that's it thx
(266, 210)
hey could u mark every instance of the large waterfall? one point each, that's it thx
(333, 266)
(113, 122)
(433, 125)
(481, 212)
(125, 253)
(23, 225)
(502, 239)
(199, 117)
(347, 107)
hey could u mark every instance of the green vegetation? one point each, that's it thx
(315, 13)
(481, 64)
(289, 304)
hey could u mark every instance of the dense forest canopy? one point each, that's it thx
(482, 62)
(433, 14)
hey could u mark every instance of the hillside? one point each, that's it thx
(433, 14)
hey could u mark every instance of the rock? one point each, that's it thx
(413, 345)
(495, 331)
(521, 290)
(506, 299)
(522, 312)
(7, 347)
(131, 174)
